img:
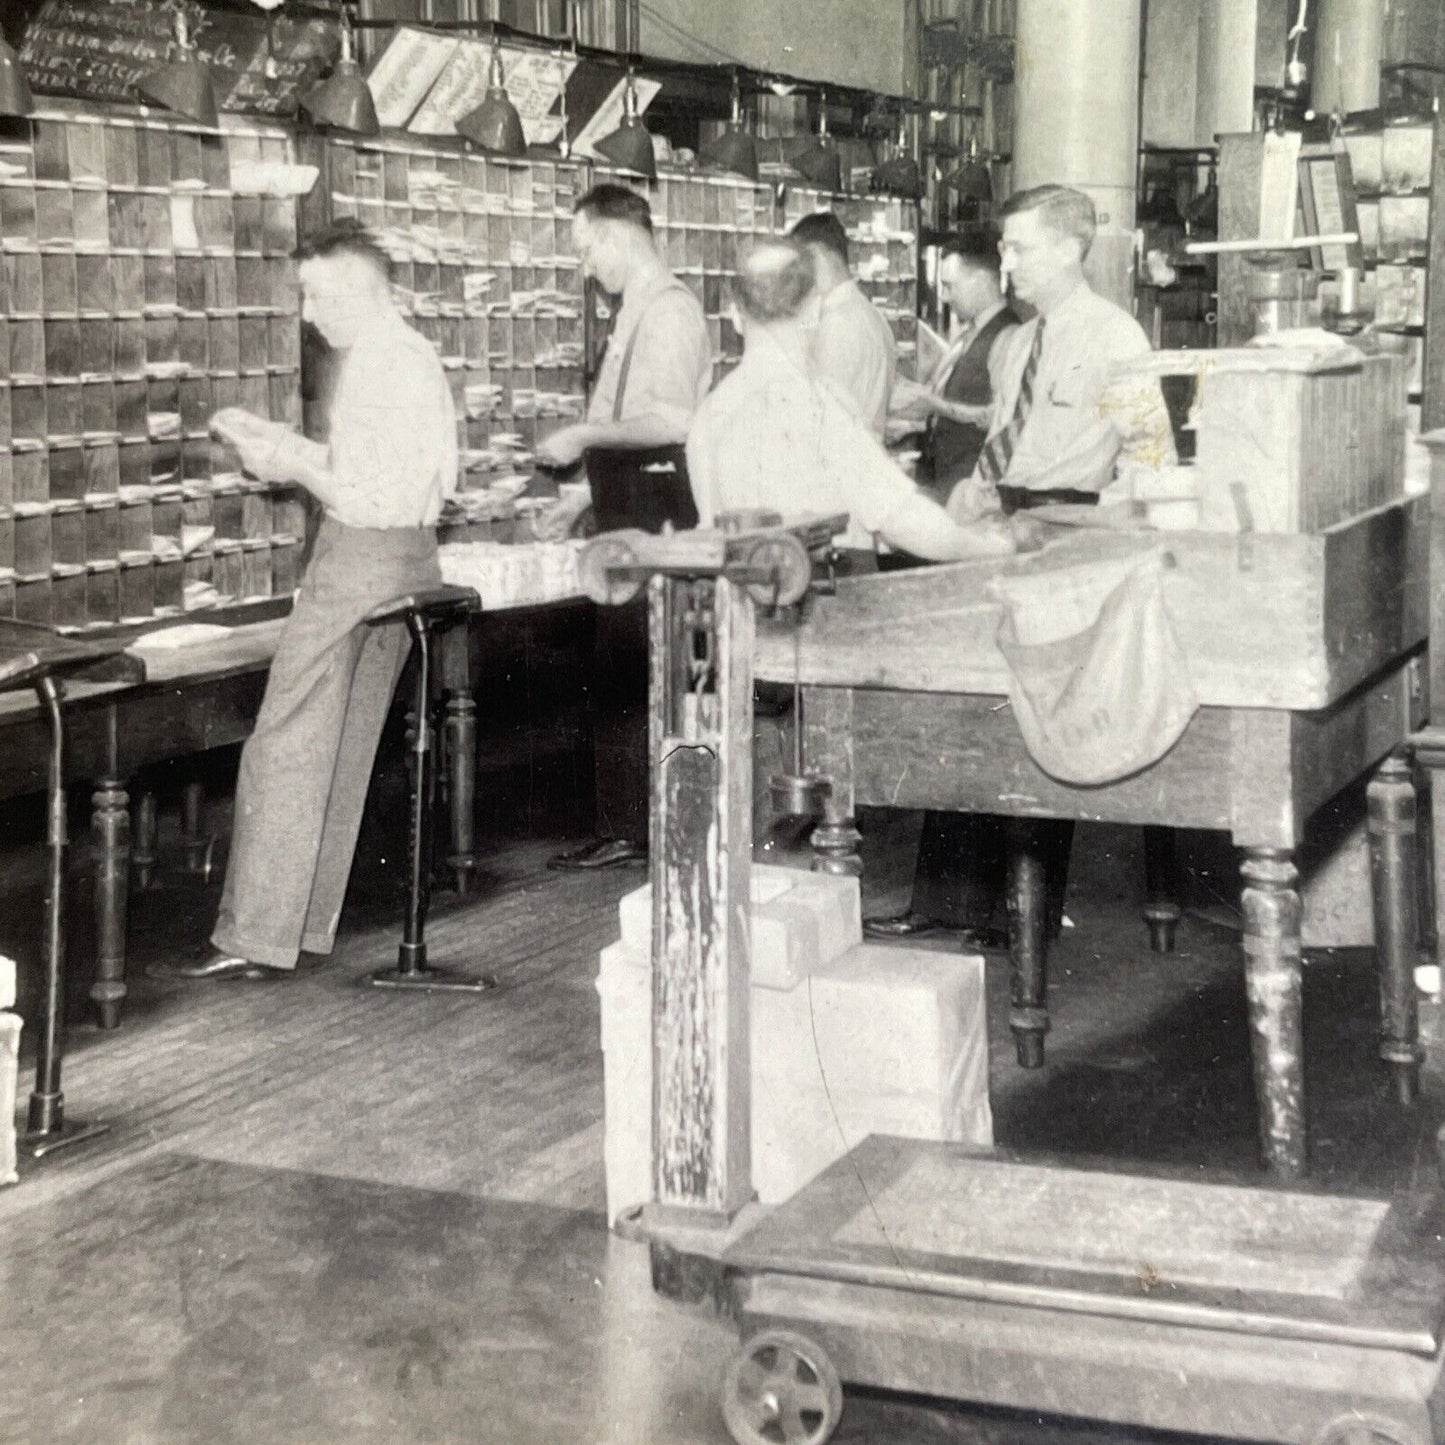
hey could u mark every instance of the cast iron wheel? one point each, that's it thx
(1368, 1430)
(786, 557)
(596, 557)
(781, 1389)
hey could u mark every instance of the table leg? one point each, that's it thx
(1272, 975)
(144, 830)
(1028, 943)
(110, 832)
(1161, 908)
(194, 838)
(1390, 800)
(461, 741)
(110, 838)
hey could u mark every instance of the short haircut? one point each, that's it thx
(1065, 211)
(976, 254)
(609, 202)
(773, 280)
(344, 237)
(823, 229)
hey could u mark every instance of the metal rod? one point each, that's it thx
(47, 1103)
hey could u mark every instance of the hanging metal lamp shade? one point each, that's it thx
(343, 101)
(494, 126)
(630, 146)
(900, 174)
(734, 151)
(183, 83)
(15, 98)
(821, 163)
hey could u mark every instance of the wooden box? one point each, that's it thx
(1313, 436)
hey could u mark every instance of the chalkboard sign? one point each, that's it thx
(99, 50)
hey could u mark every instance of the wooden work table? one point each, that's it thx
(1306, 652)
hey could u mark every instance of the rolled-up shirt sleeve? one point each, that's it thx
(671, 364)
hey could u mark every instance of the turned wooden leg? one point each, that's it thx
(1028, 944)
(194, 838)
(110, 833)
(1161, 907)
(835, 845)
(143, 839)
(1390, 800)
(461, 748)
(1271, 906)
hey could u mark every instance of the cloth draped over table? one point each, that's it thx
(1098, 681)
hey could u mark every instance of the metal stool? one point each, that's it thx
(424, 614)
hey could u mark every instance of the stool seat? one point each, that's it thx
(444, 600)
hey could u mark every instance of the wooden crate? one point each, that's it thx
(1313, 438)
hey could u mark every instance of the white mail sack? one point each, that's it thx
(1099, 683)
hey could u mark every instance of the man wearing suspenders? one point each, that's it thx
(657, 368)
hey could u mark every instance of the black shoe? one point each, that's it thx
(217, 967)
(986, 940)
(572, 857)
(609, 853)
(901, 925)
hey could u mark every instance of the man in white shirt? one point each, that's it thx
(381, 479)
(1048, 440)
(856, 347)
(657, 367)
(778, 436)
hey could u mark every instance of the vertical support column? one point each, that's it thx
(1390, 800)
(1161, 887)
(110, 836)
(700, 729)
(1028, 943)
(1349, 48)
(827, 724)
(461, 751)
(1273, 985)
(1076, 118)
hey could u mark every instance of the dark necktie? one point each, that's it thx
(999, 449)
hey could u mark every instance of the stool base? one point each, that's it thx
(431, 979)
(39, 1143)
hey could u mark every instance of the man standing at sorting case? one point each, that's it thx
(657, 368)
(381, 478)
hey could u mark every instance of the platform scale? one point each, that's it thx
(1146, 1298)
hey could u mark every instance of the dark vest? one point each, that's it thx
(953, 447)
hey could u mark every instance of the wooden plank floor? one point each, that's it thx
(315, 1196)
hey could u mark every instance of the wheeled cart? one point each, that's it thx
(1245, 1312)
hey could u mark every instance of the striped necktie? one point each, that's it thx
(999, 449)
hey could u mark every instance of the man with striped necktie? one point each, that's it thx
(1047, 442)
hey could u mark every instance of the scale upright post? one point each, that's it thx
(703, 588)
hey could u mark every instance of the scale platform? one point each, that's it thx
(1152, 1299)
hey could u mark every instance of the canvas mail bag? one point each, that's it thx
(1098, 681)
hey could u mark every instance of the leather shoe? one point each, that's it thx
(607, 853)
(986, 940)
(901, 925)
(572, 857)
(217, 967)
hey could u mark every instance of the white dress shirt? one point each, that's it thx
(392, 448)
(1066, 442)
(856, 351)
(770, 436)
(671, 366)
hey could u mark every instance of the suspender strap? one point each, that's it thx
(622, 375)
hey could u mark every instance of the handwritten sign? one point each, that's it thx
(533, 79)
(406, 70)
(100, 51)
